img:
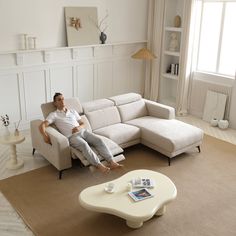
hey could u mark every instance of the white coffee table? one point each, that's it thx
(119, 203)
(12, 140)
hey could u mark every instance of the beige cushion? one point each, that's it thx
(132, 110)
(104, 117)
(71, 103)
(97, 105)
(119, 133)
(171, 135)
(125, 98)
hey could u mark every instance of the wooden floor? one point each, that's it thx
(12, 225)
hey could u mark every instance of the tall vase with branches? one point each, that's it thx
(102, 26)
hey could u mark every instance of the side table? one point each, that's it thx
(12, 140)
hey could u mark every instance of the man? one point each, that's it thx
(69, 123)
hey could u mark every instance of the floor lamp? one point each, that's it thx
(146, 55)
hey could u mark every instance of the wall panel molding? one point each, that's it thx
(87, 72)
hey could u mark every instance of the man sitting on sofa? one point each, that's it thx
(69, 123)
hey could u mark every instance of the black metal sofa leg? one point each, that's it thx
(60, 174)
(33, 151)
(199, 149)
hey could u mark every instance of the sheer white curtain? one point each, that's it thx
(188, 58)
(155, 23)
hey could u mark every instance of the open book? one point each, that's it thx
(140, 194)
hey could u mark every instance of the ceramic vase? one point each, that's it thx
(103, 37)
(214, 122)
(223, 124)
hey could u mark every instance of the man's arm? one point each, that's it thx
(77, 128)
(42, 129)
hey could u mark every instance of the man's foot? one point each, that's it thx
(114, 165)
(102, 168)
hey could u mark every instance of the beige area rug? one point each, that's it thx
(205, 204)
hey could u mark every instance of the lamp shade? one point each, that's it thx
(144, 53)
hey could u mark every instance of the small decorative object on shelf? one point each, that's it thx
(214, 122)
(177, 21)
(102, 26)
(32, 42)
(174, 44)
(223, 124)
(103, 37)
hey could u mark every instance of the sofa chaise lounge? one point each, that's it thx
(121, 121)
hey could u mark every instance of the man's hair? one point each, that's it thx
(55, 96)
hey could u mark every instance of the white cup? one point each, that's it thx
(110, 187)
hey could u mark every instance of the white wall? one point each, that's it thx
(44, 19)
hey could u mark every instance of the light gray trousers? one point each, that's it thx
(82, 141)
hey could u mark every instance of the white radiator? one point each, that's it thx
(198, 96)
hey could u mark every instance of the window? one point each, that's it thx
(217, 42)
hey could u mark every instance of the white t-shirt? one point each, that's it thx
(64, 121)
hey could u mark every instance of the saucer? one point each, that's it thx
(108, 190)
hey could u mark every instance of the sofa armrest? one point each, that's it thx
(58, 153)
(159, 110)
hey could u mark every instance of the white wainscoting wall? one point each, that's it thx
(30, 78)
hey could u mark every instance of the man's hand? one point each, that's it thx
(76, 129)
(47, 139)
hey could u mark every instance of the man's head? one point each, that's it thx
(58, 100)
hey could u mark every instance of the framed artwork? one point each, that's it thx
(81, 26)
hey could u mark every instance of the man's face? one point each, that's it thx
(59, 102)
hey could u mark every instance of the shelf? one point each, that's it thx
(175, 29)
(170, 53)
(170, 76)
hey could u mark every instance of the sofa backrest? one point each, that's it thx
(101, 113)
(130, 106)
(71, 103)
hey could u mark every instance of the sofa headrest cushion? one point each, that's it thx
(97, 105)
(132, 110)
(71, 103)
(125, 98)
(103, 117)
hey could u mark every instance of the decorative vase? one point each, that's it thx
(214, 122)
(223, 124)
(103, 37)
(177, 21)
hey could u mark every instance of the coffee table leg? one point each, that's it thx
(134, 224)
(13, 163)
(161, 211)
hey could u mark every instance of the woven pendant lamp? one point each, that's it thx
(144, 53)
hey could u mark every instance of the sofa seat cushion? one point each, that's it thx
(113, 147)
(171, 135)
(119, 133)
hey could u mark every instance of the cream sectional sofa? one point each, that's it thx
(126, 120)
